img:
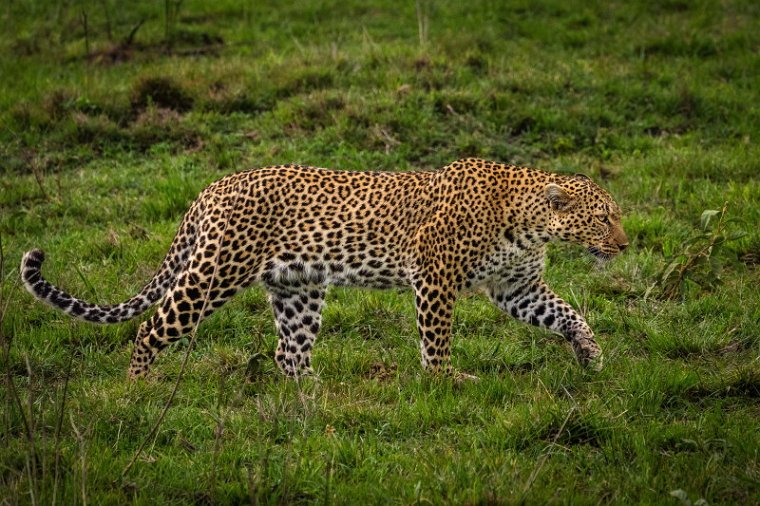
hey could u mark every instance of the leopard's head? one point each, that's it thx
(584, 213)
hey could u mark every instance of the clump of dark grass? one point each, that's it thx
(155, 125)
(160, 91)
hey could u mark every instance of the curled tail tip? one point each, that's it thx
(34, 254)
(31, 264)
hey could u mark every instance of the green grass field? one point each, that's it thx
(114, 115)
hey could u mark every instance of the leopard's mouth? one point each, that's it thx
(599, 254)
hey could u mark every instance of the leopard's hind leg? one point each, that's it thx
(177, 315)
(298, 316)
(180, 310)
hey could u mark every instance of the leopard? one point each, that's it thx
(473, 226)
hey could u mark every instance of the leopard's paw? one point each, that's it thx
(461, 377)
(595, 364)
(589, 354)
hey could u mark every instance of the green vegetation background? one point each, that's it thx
(113, 115)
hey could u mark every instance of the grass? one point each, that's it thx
(104, 142)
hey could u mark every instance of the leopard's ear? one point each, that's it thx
(559, 200)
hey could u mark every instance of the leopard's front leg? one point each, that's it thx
(434, 303)
(536, 304)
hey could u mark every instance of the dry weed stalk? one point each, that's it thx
(190, 345)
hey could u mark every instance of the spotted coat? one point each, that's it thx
(471, 226)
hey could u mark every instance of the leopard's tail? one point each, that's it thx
(174, 262)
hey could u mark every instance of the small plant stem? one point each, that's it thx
(32, 428)
(252, 497)
(167, 9)
(30, 475)
(40, 178)
(328, 477)
(59, 425)
(693, 258)
(544, 456)
(5, 343)
(82, 458)
(218, 432)
(190, 345)
(107, 14)
(86, 34)
(131, 37)
(422, 23)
